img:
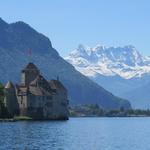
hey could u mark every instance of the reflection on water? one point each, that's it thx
(77, 134)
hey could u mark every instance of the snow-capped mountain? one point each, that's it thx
(125, 62)
(121, 70)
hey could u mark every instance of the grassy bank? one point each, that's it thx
(22, 118)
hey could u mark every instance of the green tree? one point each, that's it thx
(3, 109)
(2, 93)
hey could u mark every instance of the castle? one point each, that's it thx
(36, 97)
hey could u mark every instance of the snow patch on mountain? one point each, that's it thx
(125, 62)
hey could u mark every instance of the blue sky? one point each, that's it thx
(69, 23)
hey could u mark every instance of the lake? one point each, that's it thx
(77, 134)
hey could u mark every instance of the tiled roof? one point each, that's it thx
(9, 85)
(36, 91)
(40, 86)
(31, 66)
(55, 84)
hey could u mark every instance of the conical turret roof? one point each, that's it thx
(9, 85)
(31, 66)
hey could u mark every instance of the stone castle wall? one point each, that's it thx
(37, 100)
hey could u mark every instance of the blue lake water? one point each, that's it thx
(77, 134)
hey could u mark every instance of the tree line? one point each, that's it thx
(95, 110)
(3, 110)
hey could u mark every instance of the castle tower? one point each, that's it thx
(11, 99)
(29, 73)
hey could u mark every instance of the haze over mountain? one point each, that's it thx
(15, 41)
(121, 70)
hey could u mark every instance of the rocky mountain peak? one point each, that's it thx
(125, 61)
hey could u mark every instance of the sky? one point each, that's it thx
(69, 23)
